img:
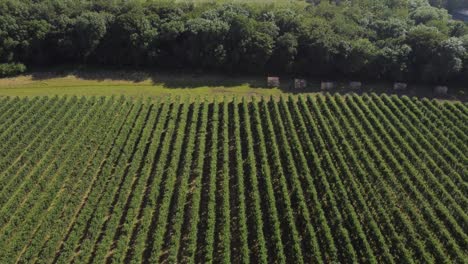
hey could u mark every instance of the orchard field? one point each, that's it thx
(317, 179)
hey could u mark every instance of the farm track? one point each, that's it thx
(329, 178)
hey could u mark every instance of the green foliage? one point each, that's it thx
(358, 55)
(285, 53)
(425, 14)
(11, 69)
(328, 39)
(205, 42)
(449, 59)
(89, 29)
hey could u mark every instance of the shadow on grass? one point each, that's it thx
(189, 80)
(168, 79)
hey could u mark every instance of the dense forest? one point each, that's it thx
(397, 40)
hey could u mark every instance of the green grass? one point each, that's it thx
(136, 84)
(133, 85)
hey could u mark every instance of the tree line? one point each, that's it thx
(401, 40)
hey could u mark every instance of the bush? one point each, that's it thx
(11, 69)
